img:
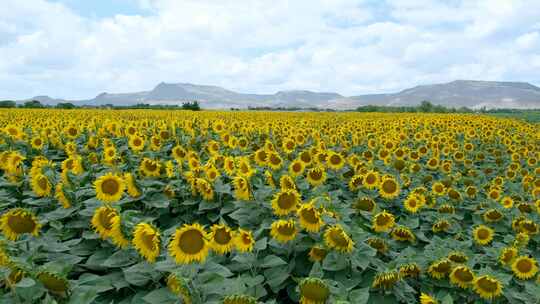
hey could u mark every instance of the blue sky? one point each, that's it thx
(77, 49)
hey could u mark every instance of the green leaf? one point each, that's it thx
(160, 296)
(121, 258)
(25, 283)
(83, 295)
(359, 296)
(140, 274)
(272, 261)
(335, 262)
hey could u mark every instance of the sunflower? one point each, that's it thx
(386, 280)
(492, 215)
(179, 154)
(150, 167)
(310, 218)
(462, 276)
(457, 257)
(441, 226)
(305, 157)
(178, 286)
(316, 176)
(283, 230)
(355, 182)
(116, 234)
(483, 235)
(205, 189)
(383, 221)
(402, 233)
(244, 240)
(427, 299)
(313, 291)
(53, 282)
(102, 221)
(37, 143)
(335, 161)
(221, 239)
(285, 202)
(212, 173)
(508, 254)
(409, 270)
(146, 241)
(241, 188)
(524, 267)
(487, 287)
(239, 299)
(61, 196)
(438, 188)
(413, 203)
(440, 268)
(189, 244)
(296, 168)
(131, 186)
(41, 185)
(317, 254)
(287, 183)
(261, 157)
(507, 202)
(378, 244)
(521, 239)
(244, 168)
(528, 226)
(365, 204)
(336, 238)
(109, 188)
(18, 221)
(371, 179)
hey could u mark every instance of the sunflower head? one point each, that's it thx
(313, 291)
(146, 240)
(440, 269)
(53, 282)
(389, 187)
(386, 280)
(336, 238)
(487, 287)
(179, 286)
(365, 204)
(189, 244)
(409, 270)
(317, 253)
(102, 221)
(18, 221)
(221, 238)
(383, 221)
(316, 176)
(285, 202)
(310, 218)
(427, 299)
(457, 257)
(483, 235)
(524, 267)
(402, 233)
(244, 240)
(462, 276)
(283, 230)
(109, 188)
(378, 244)
(239, 299)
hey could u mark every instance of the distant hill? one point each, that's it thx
(459, 93)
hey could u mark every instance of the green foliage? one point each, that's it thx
(7, 104)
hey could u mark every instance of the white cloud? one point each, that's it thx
(348, 46)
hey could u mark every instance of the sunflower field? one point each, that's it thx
(148, 206)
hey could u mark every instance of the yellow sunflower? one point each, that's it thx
(287, 183)
(189, 244)
(310, 218)
(402, 233)
(102, 221)
(61, 196)
(149, 167)
(296, 168)
(239, 299)
(386, 280)
(241, 188)
(317, 253)
(383, 221)
(285, 202)
(440, 269)
(221, 238)
(131, 186)
(244, 240)
(335, 161)
(16, 222)
(371, 179)
(336, 238)
(411, 270)
(316, 176)
(109, 188)
(389, 187)
(427, 299)
(116, 233)
(313, 291)
(413, 203)
(507, 202)
(41, 185)
(508, 254)
(179, 286)
(524, 267)
(483, 235)
(146, 241)
(462, 276)
(283, 230)
(53, 282)
(487, 287)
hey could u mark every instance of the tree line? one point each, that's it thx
(36, 104)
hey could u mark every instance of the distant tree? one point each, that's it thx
(193, 106)
(425, 106)
(33, 104)
(65, 105)
(7, 104)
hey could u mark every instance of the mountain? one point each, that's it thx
(462, 93)
(469, 93)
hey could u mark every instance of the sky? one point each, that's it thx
(76, 49)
